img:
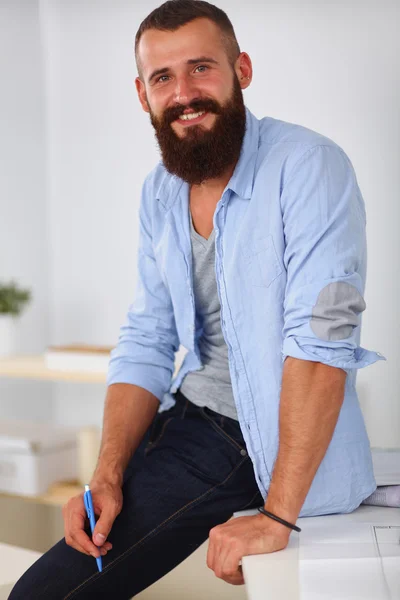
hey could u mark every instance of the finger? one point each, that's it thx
(215, 547)
(107, 545)
(102, 551)
(68, 510)
(104, 524)
(67, 531)
(211, 554)
(220, 560)
(232, 571)
(77, 533)
(234, 579)
(76, 546)
(70, 542)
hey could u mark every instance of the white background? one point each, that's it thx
(75, 147)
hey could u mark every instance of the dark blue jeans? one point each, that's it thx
(189, 474)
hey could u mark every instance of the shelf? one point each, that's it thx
(57, 495)
(34, 367)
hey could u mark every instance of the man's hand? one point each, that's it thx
(107, 503)
(239, 537)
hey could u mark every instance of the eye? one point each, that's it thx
(201, 67)
(161, 77)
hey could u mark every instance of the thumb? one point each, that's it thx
(103, 526)
(99, 538)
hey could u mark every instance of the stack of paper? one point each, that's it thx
(79, 357)
(386, 463)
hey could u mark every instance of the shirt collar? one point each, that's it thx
(242, 178)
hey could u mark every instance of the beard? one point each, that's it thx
(203, 154)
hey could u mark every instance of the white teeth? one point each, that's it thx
(191, 116)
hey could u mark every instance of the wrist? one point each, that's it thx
(270, 526)
(106, 476)
(278, 511)
(277, 508)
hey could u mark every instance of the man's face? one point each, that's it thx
(187, 72)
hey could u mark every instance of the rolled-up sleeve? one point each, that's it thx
(148, 340)
(325, 258)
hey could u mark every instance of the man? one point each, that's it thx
(252, 256)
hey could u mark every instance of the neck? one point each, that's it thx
(213, 187)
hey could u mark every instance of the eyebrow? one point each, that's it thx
(191, 61)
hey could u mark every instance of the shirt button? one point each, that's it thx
(243, 452)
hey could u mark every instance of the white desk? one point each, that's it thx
(336, 557)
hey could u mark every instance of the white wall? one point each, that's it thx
(23, 212)
(100, 147)
(332, 67)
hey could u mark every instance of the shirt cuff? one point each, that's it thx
(344, 358)
(142, 375)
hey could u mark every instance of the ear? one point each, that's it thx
(244, 70)
(141, 90)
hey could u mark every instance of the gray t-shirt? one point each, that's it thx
(211, 386)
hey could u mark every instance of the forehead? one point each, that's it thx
(201, 37)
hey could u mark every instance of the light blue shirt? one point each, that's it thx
(290, 260)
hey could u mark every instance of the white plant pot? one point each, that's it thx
(7, 335)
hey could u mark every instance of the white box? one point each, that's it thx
(35, 455)
(78, 357)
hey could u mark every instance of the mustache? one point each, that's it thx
(173, 112)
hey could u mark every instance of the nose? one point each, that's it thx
(185, 90)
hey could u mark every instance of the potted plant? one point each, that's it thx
(12, 301)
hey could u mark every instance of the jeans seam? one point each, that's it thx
(171, 518)
(185, 408)
(221, 431)
(152, 445)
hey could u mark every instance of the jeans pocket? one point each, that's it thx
(228, 428)
(157, 432)
(161, 420)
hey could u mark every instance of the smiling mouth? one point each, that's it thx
(192, 118)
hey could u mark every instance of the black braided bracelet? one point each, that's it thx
(262, 510)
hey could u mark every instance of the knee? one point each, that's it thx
(21, 591)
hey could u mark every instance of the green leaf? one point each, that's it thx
(13, 298)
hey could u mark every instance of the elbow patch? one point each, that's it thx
(336, 311)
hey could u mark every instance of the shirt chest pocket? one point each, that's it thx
(261, 261)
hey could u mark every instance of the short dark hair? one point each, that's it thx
(174, 13)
